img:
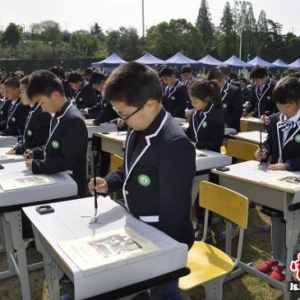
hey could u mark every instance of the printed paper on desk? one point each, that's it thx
(201, 154)
(4, 157)
(25, 182)
(107, 248)
(291, 182)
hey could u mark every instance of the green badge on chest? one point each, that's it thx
(297, 138)
(13, 119)
(204, 124)
(29, 132)
(55, 144)
(144, 180)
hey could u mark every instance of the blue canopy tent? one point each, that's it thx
(208, 60)
(180, 59)
(235, 63)
(257, 61)
(280, 64)
(295, 64)
(112, 61)
(149, 59)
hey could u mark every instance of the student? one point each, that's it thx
(159, 161)
(37, 124)
(102, 112)
(5, 103)
(17, 112)
(66, 147)
(175, 99)
(262, 102)
(84, 94)
(60, 73)
(231, 99)
(282, 148)
(206, 131)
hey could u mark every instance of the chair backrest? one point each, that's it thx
(115, 162)
(240, 149)
(224, 202)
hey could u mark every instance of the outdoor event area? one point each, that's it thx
(150, 150)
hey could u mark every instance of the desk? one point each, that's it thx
(11, 220)
(7, 140)
(53, 231)
(227, 130)
(251, 124)
(8, 158)
(250, 136)
(262, 187)
(104, 127)
(113, 142)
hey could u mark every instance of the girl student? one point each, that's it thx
(206, 130)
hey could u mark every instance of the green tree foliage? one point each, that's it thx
(125, 42)
(12, 35)
(227, 37)
(205, 26)
(165, 39)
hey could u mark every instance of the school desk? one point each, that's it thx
(91, 254)
(9, 158)
(250, 136)
(251, 124)
(104, 127)
(7, 140)
(11, 201)
(227, 130)
(276, 189)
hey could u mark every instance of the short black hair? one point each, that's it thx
(97, 77)
(58, 71)
(75, 77)
(215, 74)
(287, 90)
(186, 69)
(43, 83)
(24, 80)
(12, 82)
(134, 84)
(224, 69)
(166, 71)
(258, 72)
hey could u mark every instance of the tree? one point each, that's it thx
(205, 25)
(51, 32)
(226, 33)
(125, 42)
(12, 35)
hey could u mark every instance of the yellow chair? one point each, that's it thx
(241, 150)
(208, 264)
(116, 161)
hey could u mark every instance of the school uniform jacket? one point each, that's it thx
(36, 129)
(4, 111)
(15, 123)
(278, 150)
(157, 176)
(85, 96)
(232, 105)
(263, 104)
(206, 128)
(176, 99)
(66, 148)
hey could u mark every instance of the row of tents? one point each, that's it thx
(179, 59)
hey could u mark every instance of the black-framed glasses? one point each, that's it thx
(125, 118)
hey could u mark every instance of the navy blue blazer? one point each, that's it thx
(36, 129)
(157, 176)
(206, 128)
(66, 148)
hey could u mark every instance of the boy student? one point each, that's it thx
(175, 99)
(37, 123)
(85, 96)
(282, 147)
(159, 161)
(66, 146)
(17, 112)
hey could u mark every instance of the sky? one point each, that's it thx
(75, 15)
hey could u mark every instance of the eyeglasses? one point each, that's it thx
(125, 118)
